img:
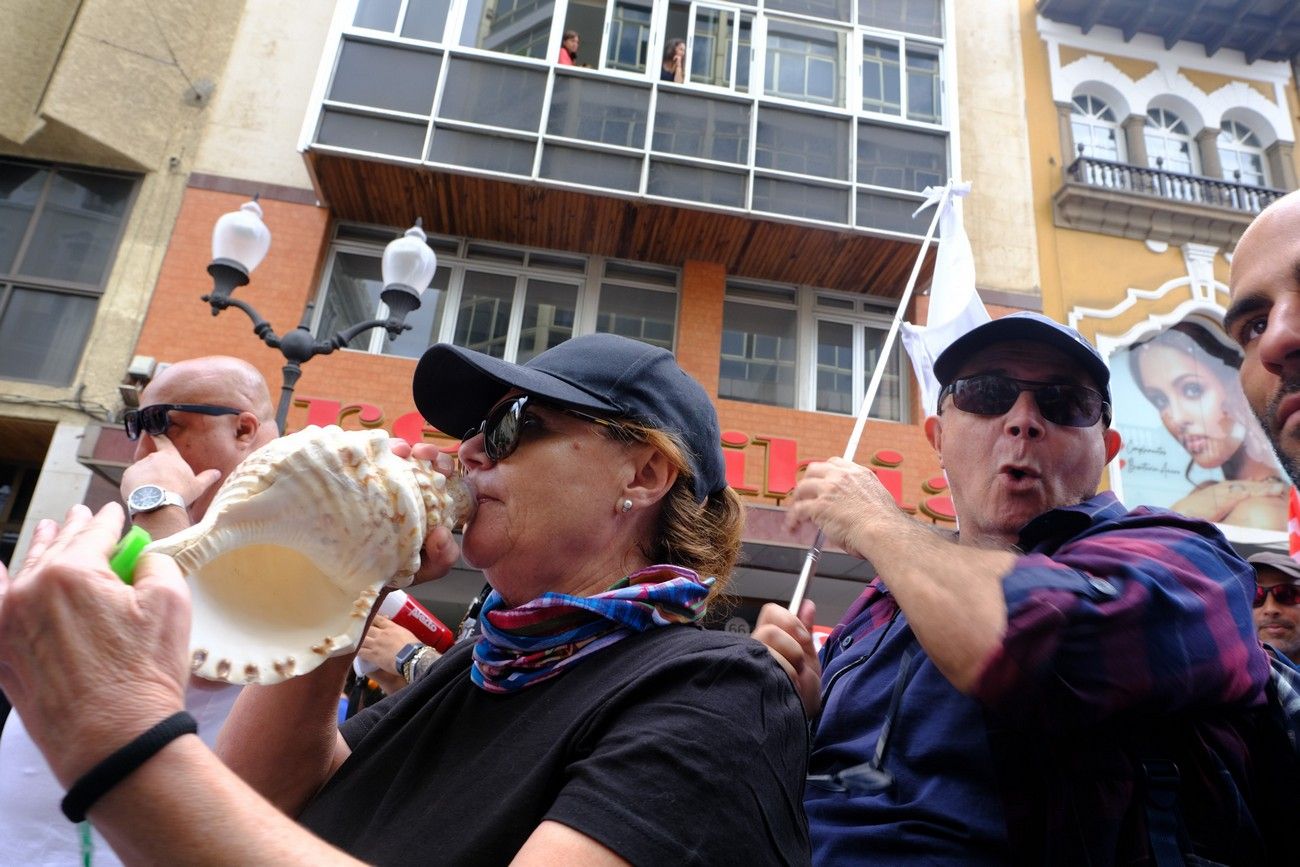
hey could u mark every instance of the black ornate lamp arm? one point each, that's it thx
(346, 336)
(261, 327)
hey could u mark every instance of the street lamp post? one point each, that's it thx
(239, 243)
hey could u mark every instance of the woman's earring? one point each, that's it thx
(625, 506)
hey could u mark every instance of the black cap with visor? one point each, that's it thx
(602, 374)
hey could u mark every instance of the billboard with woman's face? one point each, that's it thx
(1191, 443)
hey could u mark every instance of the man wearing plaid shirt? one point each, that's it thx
(1032, 690)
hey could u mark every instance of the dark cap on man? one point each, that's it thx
(1025, 325)
(603, 374)
(1276, 560)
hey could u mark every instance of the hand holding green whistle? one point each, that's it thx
(127, 552)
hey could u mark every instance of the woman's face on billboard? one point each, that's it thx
(1192, 399)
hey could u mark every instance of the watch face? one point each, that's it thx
(146, 497)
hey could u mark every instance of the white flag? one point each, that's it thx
(955, 306)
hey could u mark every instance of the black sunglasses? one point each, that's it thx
(1285, 594)
(1059, 402)
(505, 424)
(153, 419)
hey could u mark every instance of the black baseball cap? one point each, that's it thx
(603, 374)
(1025, 325)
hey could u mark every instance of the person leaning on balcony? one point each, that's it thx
(1012, 695)
(569, 48)
(593, 722)
(674, 65)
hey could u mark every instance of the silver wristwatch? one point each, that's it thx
(150, 498)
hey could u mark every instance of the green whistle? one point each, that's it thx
(127, 551)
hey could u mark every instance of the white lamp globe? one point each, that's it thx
(409, 261)
(240, 237)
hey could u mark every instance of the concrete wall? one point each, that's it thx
(257, 114)
(999, 212)
(114, 84)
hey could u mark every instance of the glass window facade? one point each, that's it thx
(1242, 155)
(1097, 133)
(805, 349)
(59, 232)
(508, 302)
(783, 102)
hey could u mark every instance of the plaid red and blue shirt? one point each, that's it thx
(1124, 629)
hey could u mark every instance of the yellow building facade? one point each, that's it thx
(1153, 143)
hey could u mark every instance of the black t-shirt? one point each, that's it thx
(673, 746)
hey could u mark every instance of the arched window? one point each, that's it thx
(1095, 127)
(1169, 144)
(1242, 155)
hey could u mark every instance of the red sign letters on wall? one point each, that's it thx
(781, 464)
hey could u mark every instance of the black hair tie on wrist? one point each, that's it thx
(97, 782)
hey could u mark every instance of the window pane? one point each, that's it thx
(915, 16)
(484, 315)
(591, 168)
(698, 127)
(642, 314)
(888, 212)
(520, 27)
(881, 87)
(629, 37)
(599, 111)
(836, 10)
(76, 233)
(371, 134)
(20, 187)
(804, 63)
(426, 19)
(796, 199)
(924, 95)
(889, 403)
(352, 296)
(549, 314)
(696, 184)
(899, 158)
(758, 354)
(385, 76)
(495, 153)
(489, 93)
(807, 144)
(377, 14)
(714, 47)
(835, 367)
(425, 321)
(42, 335)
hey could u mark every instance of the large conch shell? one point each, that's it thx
(290, 557)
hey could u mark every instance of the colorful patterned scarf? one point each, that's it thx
(543, 638)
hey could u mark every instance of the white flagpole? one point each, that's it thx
(815, 552)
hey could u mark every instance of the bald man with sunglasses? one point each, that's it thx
(197, 420)
(994, 696)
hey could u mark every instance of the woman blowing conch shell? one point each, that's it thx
(593, 721)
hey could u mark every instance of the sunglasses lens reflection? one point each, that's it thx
(502, 427)
(1070, 405)
(1284, 594)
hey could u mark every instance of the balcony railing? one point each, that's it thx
(1172, 186)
